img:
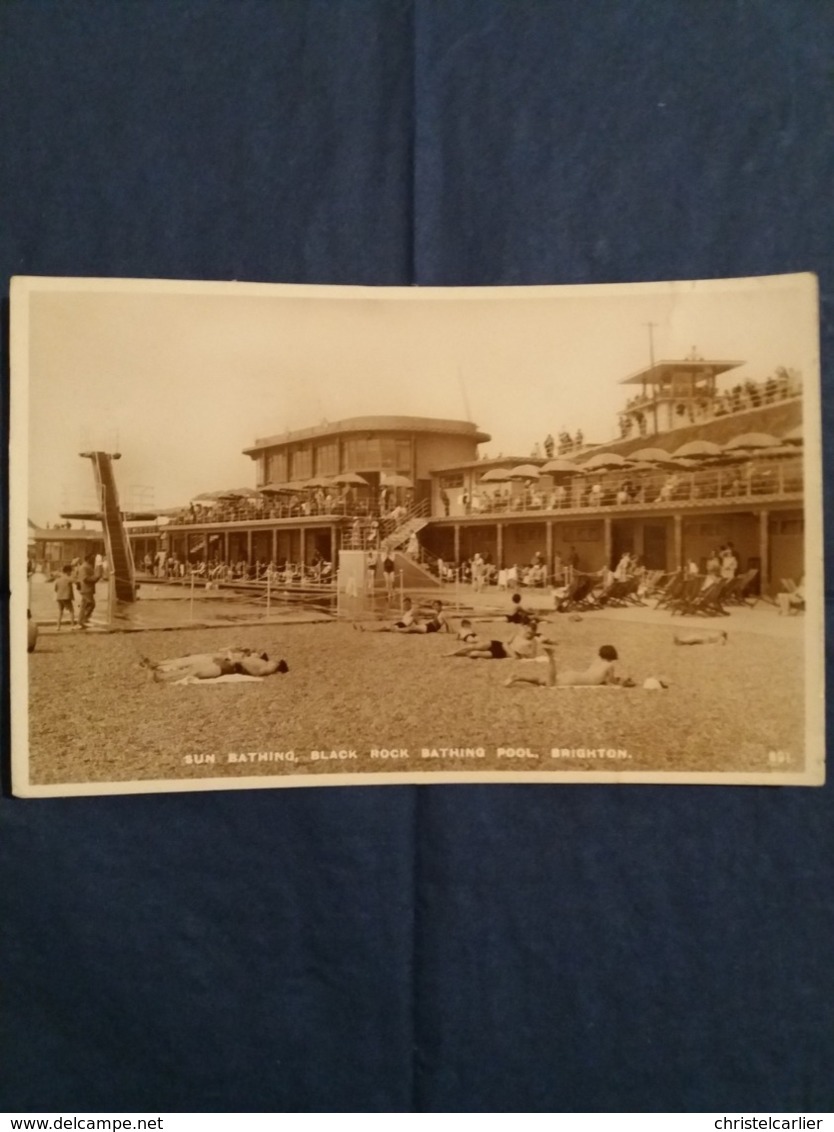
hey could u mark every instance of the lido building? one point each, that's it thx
(694, 467)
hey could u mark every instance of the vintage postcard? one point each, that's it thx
(270, 535)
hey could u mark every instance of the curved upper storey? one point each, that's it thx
(370, 424)
(371, 446)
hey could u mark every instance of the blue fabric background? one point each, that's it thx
(471, 948)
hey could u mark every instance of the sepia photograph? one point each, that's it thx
(275, 535)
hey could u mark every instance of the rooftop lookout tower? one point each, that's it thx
(672, 394)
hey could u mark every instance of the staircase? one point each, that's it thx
(415, 520)
(414, 575)
(119, 553)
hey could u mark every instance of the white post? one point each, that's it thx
(401, 590)
(268, 590)
(192, 596)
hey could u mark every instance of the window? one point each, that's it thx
(403, 456)
(357, 454)
(454, 480)
(301, 464)
(277, 467)
(327, 458)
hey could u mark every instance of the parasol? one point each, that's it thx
(658, 457)
(560, 467)
(605, 462)
(524, 472)
(751, 441)
(351, 478)
(698, 450)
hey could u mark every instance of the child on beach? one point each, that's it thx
(64, 596)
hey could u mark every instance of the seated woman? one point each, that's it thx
(599, 672)
(519, 615)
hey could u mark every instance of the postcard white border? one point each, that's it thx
(23, 287)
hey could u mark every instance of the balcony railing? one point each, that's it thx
(767, 480)
(652, 491)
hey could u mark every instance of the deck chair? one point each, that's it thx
(620, 593)
(574, 591)
(689, 593)
(738, 591)
(651, 583)
(671, 591)
(710, 601)
(790, 600)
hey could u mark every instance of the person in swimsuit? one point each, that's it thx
(519, 615)
(208, 666)
(437, 623)
(523, 646)
(403, 625)
(469, 640)
(599, 672)
(389, 575)
(718, 638)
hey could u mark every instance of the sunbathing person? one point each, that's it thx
(525, 645)
(469, 640)
(210, 666)
(599, 672)
(718, 638)
(405, 622)
(436, 623)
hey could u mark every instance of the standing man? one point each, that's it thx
(88, 575)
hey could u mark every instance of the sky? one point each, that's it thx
(180, 377)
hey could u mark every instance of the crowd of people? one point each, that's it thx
(169, 566)
(720, 563)
(480, 571)
(525, 643)
(389, 504)
(780, 386)
(616, 489)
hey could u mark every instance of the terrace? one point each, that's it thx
(769, 481)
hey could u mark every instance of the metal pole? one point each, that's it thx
(192, 596)
(402, 589)
(268, 588)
